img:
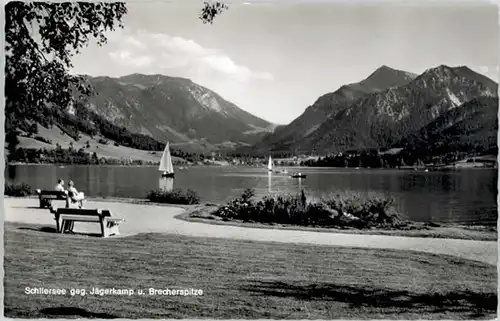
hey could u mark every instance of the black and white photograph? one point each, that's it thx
(251, 159)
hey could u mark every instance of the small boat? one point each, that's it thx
(270, 165)
(298, 175)
(166, 163)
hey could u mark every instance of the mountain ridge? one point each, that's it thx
(330, 103)
(471, 126)
(175, 109)
(379, 118)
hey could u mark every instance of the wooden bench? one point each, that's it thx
(46, 197)
(65, 218)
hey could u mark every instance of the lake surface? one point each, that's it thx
(462, 196)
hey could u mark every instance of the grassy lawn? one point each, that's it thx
(239, 279)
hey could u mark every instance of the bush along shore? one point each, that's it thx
(176, 196)
(347, 212)
(341, 210)
(17, 190)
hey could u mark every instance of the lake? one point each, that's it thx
(461, 196)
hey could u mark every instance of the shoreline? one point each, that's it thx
(446, 168)
(420, 230)
(145, 218)
(194, 214)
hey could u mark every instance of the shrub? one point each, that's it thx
(338, 210)
(282, 209)
(363, 211)
(175, 196)
(17, 190)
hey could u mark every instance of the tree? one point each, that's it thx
(40, 40)
(95, 158)
(33, 129)
(211, 10)
(12, 142)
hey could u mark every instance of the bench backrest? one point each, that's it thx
(80, 211)
(84, 211)
(53, 193)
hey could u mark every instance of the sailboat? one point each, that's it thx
(166, 163)
(298, 175)
(270, 165)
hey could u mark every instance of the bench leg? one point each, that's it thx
(103, 230)
(44, 202)
(63, 226)
(67, 226)
(112, 228)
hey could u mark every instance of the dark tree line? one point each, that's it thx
(54, 156)
(90, 123)
(66, 156)
(407, 157)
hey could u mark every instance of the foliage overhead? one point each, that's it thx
(211, 10)
(40, 40)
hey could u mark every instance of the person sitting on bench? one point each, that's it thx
(74, 195)
(60, 186)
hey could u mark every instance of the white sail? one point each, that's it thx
(166, 161)
(270, 165)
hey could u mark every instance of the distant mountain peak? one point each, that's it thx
(444, 72)
(385, 70)
(386, 77)
(449, 70)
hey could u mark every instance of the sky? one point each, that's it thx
(275, 58)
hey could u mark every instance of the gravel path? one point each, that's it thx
(160, 219)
